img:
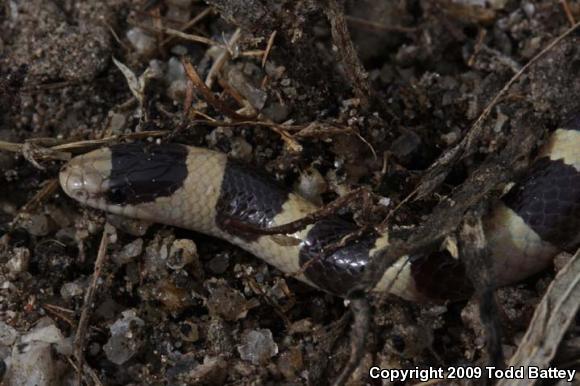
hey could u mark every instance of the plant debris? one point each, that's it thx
(415, 115)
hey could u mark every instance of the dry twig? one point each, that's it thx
(207, 94)
(59, 312)
(92, 375)
(200, 16)
(440, 168)
(222, 59)
(325, 130)
(80, 335)
(182, 35)
(361, 312)
(448, 214)
(568, 12)
(93, 143)
(11, 146)
(355, 71)
(47, 190)
(61, 151)
(378, 26)
(268, 48)
(478, 267)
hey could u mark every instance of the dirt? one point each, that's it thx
(190, 312)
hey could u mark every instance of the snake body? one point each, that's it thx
(202, 190)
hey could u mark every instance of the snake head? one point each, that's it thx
(124, 176)
(86, 178)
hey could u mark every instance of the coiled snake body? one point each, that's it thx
(202, 190)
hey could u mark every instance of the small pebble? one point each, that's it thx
(279, 290)
(452, 137)
(500, 121)
(155, 257)
(175, 70)
(188, 371)
(219, 264)
(273, 71)
(291, 363)
(32, 365)
(181, 253)
(409, 340)
(497, 4)
(180, 369)
(385, 201)
(255, 96)
(258, 346)
(117, 122)
(219, 135)
(131, 226)
(94, 348)
(406, 144)
(176, 78)
(311, 185)
(301, 326)
(561, 260)
(126, 338)
(177, 90)
(108, 309)
(178, 10)
(60, 217)
(173, 298)
(32, 359)
(219, 336)
(37, 225)
(529, 9)
(73, 289)
(241, 149)
(277, 112)
(226, 302)
(189, 331)
(19, 261)
(46, 331)
(129, 252)
(179, 50)
(144, 43)
(7, 334)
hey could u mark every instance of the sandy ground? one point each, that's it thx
(174, 307)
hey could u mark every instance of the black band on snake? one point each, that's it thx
(202, 190)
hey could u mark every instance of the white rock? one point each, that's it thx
(144, 43)
(33, 362)
(124, 342)
(32, 365)
(258, 346)
(19, 261)
(311, 185)
(181, 253)
(8, 334)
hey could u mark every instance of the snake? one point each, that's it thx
(205, 191)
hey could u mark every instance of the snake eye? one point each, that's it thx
(74, 182)
(117, 196)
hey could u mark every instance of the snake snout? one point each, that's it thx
(72, 182)
(81, 183)
(82, 179)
